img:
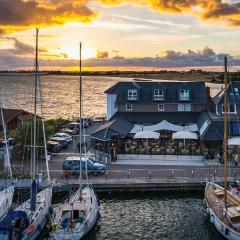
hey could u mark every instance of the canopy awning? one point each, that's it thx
(165, 125)
(184, 135)
(147, 134)
(234, 141)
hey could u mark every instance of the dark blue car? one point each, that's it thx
(73, 164)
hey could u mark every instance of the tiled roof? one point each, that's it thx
(198, 91)
(233, 93)
(157, 117)
(113, 127)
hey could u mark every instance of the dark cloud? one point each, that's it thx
(102, 54)
(204, 57)
(19, 14)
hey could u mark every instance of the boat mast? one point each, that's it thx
(34, 184)
(80, 114)
(35, 111)
(6, 143)
(225, 142)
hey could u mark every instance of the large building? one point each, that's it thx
(166, 107)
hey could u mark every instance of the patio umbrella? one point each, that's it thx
(234, 141)
(147, 134)
(184, 135)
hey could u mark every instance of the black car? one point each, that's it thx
(53, 147)
(73, 164)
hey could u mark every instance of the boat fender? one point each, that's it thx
(50, 210)
(226, 231)
(39, 228)
(98, 201)
(30, 228)
(99, 216)
(72, 224)
(55, 226)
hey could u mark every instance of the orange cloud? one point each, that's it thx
(17, 15)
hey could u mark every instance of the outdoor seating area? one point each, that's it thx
(159, 147)
(164, 145)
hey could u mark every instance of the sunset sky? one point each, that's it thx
(141, 33)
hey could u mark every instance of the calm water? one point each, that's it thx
(61, 94)
(153, 216)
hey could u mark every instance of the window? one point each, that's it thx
(236, 90)
(132, 94)
(184, 94)
(161, 107)
(129, 107)
(158, 94)
(182, 107)
(231, 109)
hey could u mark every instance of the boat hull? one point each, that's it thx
(226, 231)
(77, 234)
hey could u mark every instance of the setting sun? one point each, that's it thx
(74, 53)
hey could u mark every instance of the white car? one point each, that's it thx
(66, 136)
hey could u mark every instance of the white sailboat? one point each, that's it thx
(223, 205)
(28, 219)
(77, 216)
(6, 195)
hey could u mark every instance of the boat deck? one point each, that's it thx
(230, 214)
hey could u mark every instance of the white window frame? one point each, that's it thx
(235, 109)
(127, 107)
(161, 109)
(184, 107)
(158, 94)
(184, 94)
(132, 94)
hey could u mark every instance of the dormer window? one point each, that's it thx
(132, 94)
(184, 95)
(158, 94)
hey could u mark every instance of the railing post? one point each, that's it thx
(150, 174)
(106, 175)
(129, 173)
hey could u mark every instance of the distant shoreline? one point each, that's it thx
(191, 75)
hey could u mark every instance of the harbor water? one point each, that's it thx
(61, 94)
(153, 216)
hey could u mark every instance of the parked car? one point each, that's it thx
(66, 136)
(62, 141)
(86, 122)
(53, 147)
(74, 126)
(69, 131)
(73, 164)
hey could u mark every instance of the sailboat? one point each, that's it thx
(74, 218)
(26, 221)
(6, 195)
(223, 205)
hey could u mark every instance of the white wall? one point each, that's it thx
(111, 110)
